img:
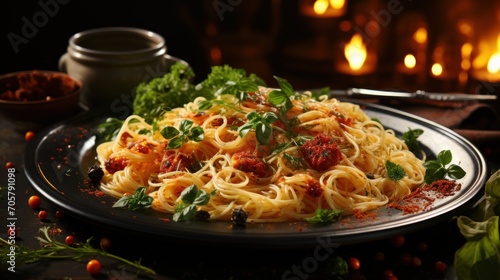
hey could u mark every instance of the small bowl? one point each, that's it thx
(34, 99)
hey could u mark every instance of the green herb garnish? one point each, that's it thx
(325, 216)
(53, 249)
(191, 197)
(395, 171)
(281, 98)
(295, 162)
(441, 167)
(410, 139)
(136, 201)
(227, 80)
(185, 133)
(261, 124)
(108, 130)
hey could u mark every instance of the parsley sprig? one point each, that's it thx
(395, 171)
(53, 249)
(441, 167)
(138, 200)
(185, 133)
(191, 197)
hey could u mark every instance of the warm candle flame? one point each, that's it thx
(355, 52)
(337, 4)
(437, 69)
(466, 51)
(320, 6)
(420, 36)
(494, 62)
(410, 61)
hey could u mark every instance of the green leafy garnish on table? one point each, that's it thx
(191, 197)
(53, 249)
(440, 168)
(479, 257)
(322, 216)
(395, 171)
(136, 201)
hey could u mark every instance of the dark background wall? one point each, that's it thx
(35, 33)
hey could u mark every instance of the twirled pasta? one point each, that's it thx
(286, 188)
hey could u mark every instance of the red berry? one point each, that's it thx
(29, 135)
(11, 232)
(398, 241)
(353, 263)
(59, 214)
(423, 247)
(42, 215)
(388, 274)
(105, 243)
(34, 201)
(416, 262)
(440, 266)
(69, 240)
(93, 266)
(9, 165)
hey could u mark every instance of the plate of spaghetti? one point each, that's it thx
(273, 168)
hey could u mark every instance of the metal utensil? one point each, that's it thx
(419, 94)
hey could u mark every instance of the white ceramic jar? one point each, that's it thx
(112, 61)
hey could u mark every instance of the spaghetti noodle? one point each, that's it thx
(321, 154)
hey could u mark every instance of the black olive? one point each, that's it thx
(95, 174)
(239, 217)
(202, 215)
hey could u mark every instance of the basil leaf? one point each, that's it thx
(277, 97)
(456, 172)
(186, 214)
(122, 202)
(169, 132)
(185, 125)
(285, 86)
(202, 198)
(175, 143)
(188, 195)
(197, 134)
(444, 157)
(244, 129)
(263, 133)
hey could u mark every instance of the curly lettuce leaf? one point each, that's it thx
(479, 257)
(172, 90)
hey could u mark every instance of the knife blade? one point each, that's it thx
(419, 94)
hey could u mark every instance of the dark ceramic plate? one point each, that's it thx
(57, 160)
